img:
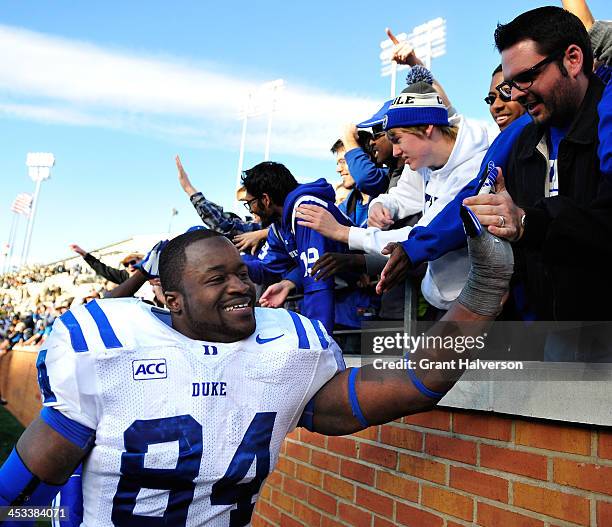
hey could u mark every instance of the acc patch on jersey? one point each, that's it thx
(145, 369)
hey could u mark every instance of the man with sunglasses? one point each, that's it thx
(117, 276)
(554, 203)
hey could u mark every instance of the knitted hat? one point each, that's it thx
(418, 104)
(419, 73)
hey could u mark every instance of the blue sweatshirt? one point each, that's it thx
(369, 179)
(305, 246)
(272, 262)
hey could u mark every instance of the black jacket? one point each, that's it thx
(565, 254)
(117, 276)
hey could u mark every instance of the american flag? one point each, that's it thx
(22, 203)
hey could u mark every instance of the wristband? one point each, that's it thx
(422, 388)
(18, 486)
(355, 408)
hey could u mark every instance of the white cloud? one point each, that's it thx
(71, 82)
(54, 114)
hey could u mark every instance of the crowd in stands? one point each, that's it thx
(407, 171)
(31, 299)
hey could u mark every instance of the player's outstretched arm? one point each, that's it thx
(358, 398)
(380, 396)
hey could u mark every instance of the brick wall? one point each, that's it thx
(436, 469)
(444, 469)
(19, 385)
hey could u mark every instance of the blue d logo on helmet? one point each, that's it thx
(419, 104)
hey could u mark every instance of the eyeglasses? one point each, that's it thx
(247, 204)
(131, 262)
(378, 135)
(524, 80)
(490, 99)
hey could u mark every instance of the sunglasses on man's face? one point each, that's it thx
(131, 262)
(490, 99)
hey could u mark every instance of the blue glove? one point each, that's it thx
(149, 266)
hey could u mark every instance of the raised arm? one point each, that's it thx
(183, 178)
(369, 178)
(111, 274)
(403, 53)
(581, 10)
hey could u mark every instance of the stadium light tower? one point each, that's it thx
(39, 168)
(271, 96)
(258, 102)
(428, 41)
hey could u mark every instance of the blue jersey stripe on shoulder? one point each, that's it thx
(106, 331)
(77, 339)
(78, 434)
(43, 378)
(303, 341)
(317, 327)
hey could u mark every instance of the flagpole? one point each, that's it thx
(11, 240)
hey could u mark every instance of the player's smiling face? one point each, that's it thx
(219, 298)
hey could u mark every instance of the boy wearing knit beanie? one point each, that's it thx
(442, 155)
(417, 124)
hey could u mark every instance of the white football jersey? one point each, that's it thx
(185, 430)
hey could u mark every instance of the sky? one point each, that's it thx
(116, 89)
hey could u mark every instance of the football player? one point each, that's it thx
(178, 415)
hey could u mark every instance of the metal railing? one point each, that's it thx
(410, 313)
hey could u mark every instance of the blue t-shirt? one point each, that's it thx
(555, 136)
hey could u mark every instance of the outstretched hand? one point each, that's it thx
(250, 241)
(74, 247)
(332, 263)
(396, 269)
(379, 216)
(276, 294)
(321, 220)
(183, 178)
(403, 52)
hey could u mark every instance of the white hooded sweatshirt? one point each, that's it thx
(433, 189)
